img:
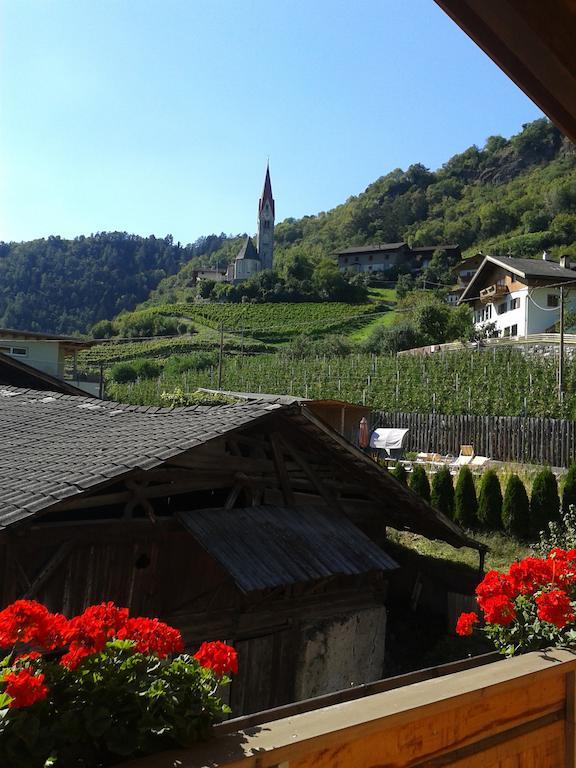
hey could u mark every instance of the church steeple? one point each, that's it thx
(265, 238)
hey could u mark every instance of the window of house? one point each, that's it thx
(266, 224)
(20, 351)
(502, 308)
(355, 258)
(515, 304)
(346, 260)
(369, 266)
(386, 256)
(506, 331)
(552, 300)
(370, 257)
(514, 330)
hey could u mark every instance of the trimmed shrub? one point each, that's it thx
(544, 501)
(147, 369)
(123, 373)
(516, 508)
(490, 501)
(465, 501)
(569, 490)
(419, 482)
(442, 492)
(400, 473)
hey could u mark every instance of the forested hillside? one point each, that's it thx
(64, 286)
(513, 196)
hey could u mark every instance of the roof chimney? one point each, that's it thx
(545, 256)
(565, 261)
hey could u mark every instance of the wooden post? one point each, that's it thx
(220, 355)
(561, 349)
(570, 726)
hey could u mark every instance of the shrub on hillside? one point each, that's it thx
(516, 508)
(442, 492)
(104, 329)
(569, 490)
(544, 501)
(195, 361)
(465, 501)
(400, 473)
(419, 482)
(123, 373)
(490, 501)
(147, 369)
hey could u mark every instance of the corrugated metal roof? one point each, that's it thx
(264, 547)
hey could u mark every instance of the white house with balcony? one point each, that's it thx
(520, 296)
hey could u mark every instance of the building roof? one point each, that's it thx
(268, 546)
(54, 447)
(372, 248)
(432, 248)
(533, 42)
(284, 399)
(539, 269)
(70, 342)
(266, 193)
(16, 373)
(248, 250)
(470, 263)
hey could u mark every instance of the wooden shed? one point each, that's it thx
(253, 523)
(342, 416)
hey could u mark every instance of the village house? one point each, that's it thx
(54, 356)
(463, 271)
(385, 256)
(254, 523)
(519, 296)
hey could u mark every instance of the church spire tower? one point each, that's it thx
(265, 239)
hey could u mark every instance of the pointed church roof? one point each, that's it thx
(248, 250)
(266, 193)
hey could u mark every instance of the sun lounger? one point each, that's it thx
(465, 457)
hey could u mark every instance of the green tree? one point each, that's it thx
(400, 473)
(442, 492)
(419, 482)
(516, 508)
(569, 489)
(490, 501)
(465, 501)
(544, 501)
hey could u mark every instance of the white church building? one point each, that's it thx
(254, 258)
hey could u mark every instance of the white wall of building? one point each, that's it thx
(41, 354)
(535, 312)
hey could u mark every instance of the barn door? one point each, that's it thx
(266, 672)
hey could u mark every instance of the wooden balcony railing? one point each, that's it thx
(493, 292)
(514, 712)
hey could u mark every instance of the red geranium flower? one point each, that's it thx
(218, 656)
(499, 610)
(465, 623)
(25, 688)
(88, 633)
(495, 584)
(530, 574)
(152, 637)
(555, 608)
(24, 621)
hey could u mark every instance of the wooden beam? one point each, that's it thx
(232, 496)
(57, 558)
(153, 492)
(281, 469)
(322, 489)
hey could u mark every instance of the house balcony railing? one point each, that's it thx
(493, 292)
(518, 711)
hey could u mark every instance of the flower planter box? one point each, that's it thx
(517, 711)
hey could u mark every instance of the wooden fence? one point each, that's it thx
(505, 438)
(515, 713)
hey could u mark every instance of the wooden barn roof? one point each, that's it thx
(533, 42)
(269, 546)
(55, 447)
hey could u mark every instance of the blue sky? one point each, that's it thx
(157, 116)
